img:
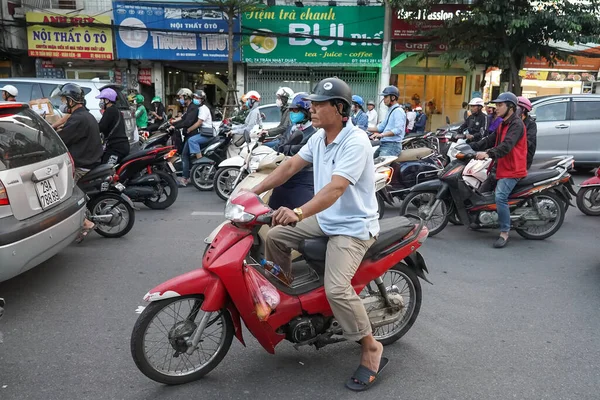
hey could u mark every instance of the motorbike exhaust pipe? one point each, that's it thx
(104, 218)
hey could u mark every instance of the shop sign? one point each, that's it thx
(405, 46)
(145, 76)
(314, 35)
(78, 39)
(581, 64)
(558, 76)
(404, 25)
(153, 31)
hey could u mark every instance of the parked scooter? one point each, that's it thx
(588, 196)
(149, 177)
(108, 206)
(210, 302)
(537, 203)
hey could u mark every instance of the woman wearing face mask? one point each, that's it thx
(141, 115)
(300, 188)
(112, 126)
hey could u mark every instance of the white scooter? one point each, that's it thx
(236, 168)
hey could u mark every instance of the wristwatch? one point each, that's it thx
(298, 212)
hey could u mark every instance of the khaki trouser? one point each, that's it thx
(344, 254)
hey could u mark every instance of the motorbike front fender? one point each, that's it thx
(593, 181)
(127, 200)
(237, 161)
(211, 237)
(427, 186)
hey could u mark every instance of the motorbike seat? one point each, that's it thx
(99, 171)
(545, 164)
(414, 154)
(537, 176)
(392, 230)
(133, 155)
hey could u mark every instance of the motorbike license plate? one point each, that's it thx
(47, 193)
(171, 167)
(120, 187)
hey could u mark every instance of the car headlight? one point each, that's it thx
(236, 213)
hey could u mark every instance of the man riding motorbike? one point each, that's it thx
(392, 129)
(253, 118)
(200, 133)
(141, 115)
(284, 95)
(81, 135)
(343, 208)
(112, 126)
(189, 117)
(493, 121)
(372, 114)
(508, 148)
(420, 120)
(299, 189)
(530, 126)
(157, 111)
(476, 123)
(359, 117)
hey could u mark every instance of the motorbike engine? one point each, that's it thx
(305, 328)
(488, 218)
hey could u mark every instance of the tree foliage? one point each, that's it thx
(505, 33)
(232, 9)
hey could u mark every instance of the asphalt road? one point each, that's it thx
(520, 323)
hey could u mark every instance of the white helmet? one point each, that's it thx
(10, 89)
(185, 92)
(253, 95)
(285, 91)
(477, 101)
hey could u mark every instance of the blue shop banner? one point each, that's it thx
(153, 31)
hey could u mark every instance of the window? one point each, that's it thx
(583, 110)
(26, 139)
(36, 92)
(551, 112)
(272, 113)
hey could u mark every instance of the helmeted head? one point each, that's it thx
(408, 107)
(107, 96)
(300, 108)
(506, 104)
(476, 104)
(185, 96)
(419, 109)
(156, 99)
(71, 95)
(490, 108)
(199, 97)
(390, 94)
(357, 102)
(331, 100)
(9, 92)
(524, 103)
(252, 98)
(370, 105)
(139, 99)
(284, 95)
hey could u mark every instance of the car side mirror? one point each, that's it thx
(533, 116)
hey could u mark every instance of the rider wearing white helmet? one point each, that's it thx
(253, 118)
(284, 96)
(9, 93)
(476, 123)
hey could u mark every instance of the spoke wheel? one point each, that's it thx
(158, 340)
(403, 280)
(420, 204)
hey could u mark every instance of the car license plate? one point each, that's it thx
(171, 166)
(47, 193)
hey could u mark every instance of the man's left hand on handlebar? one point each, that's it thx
(284, 216)
(482, 155)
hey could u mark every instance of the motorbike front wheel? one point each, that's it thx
(158, 340)
(122, 215)
(224, 180)
(203, 176)
(551, 208)
(588, 200)
(166, 192)
(420, 203)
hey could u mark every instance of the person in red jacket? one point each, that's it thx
(508, 148)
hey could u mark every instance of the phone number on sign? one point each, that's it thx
(362, 61)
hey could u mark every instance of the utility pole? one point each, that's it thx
(386, 54)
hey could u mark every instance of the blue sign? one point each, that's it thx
(151, 31)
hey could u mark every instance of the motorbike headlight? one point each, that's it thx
(254, 161)
(236, 213)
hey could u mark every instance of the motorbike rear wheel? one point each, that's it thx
(162, 357)
(123, 215)
(588, 200)
(203, 176)
(167, 192)
(423, 201)
(408, 285)
(551, 206)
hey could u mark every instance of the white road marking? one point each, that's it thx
(208, 213)
(140, 309)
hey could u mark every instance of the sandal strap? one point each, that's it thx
(364, 375)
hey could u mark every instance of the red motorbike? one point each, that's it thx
(588, 197)
(188, 327)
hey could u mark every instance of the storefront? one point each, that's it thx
(175, 46)
(290, 57)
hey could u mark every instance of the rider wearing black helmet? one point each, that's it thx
(344, 208)
(393, 128)
(507, 146)
(81, 132)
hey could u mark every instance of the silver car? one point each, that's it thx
(41, 210)
(568, 125)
